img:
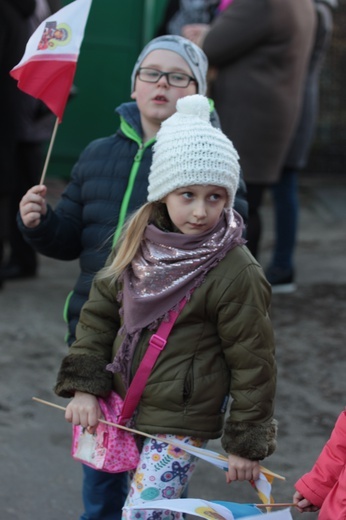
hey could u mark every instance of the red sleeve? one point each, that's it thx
(316, 484)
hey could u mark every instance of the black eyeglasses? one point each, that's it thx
(174, 79)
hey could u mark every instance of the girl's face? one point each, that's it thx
(157, 101)
(196, 209)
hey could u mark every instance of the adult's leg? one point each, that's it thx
(255, 194)
(286, 210)
(163, 472)
(104, 494)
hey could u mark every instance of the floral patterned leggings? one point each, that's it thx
(162, 472)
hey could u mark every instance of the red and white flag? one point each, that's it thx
(47, 69)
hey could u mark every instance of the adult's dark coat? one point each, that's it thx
(261, 50)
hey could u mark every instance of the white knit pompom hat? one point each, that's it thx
(190, 151)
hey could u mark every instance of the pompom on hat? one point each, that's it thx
(190, 151)
(189, 51)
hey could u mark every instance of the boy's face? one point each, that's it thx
(157, 101)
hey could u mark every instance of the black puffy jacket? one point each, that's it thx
(108, 182)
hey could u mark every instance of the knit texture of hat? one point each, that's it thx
(189, 51)
(190, 151)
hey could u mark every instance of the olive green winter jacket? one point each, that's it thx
(221, 344)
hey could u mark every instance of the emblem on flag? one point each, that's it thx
(53, 35)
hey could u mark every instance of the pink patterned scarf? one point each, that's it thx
(167, 267)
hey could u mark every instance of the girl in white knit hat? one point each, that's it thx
(186, 242)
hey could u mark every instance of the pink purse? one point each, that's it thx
(111, 449)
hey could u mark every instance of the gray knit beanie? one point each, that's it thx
(190, 151)
(189, 51)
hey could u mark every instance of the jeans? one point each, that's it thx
(286, 209)
(104, 494)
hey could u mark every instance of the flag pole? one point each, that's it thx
(103, 421)
(282, 504)
(52, 139)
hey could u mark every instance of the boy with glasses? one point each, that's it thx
(108, 182)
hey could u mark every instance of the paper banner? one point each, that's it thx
(262, 485)
(211, 510)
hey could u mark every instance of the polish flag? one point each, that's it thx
(48, 66)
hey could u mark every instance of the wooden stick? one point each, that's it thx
(283, 504)
(52, 139)
(131, 430)
(159, 439)
(137, 432)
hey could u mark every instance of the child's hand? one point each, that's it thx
(85, 410)
(242, 469)
(33, 206)
(303, 504)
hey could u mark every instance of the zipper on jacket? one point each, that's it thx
(65, 310)
(131, 134)
(65, 313)
(128, 192)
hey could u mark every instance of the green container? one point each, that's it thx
(115, 33)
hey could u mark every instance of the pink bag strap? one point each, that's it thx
(157, 343)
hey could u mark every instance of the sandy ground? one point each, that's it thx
(39, 480)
